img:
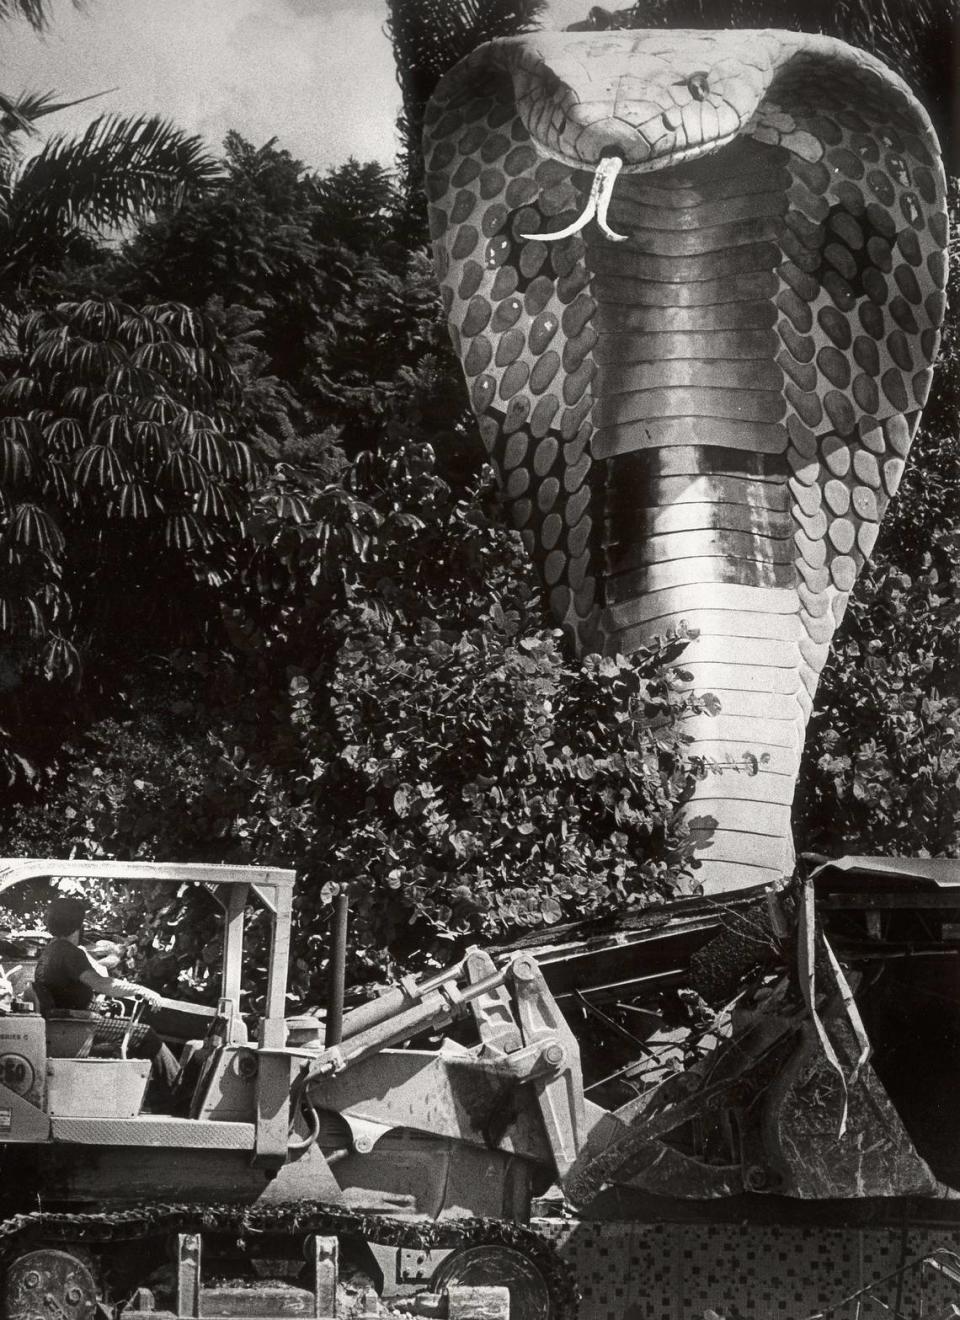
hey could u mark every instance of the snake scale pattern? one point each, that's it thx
(698, 401)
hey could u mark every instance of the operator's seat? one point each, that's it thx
(40, 997)
(70, 1031)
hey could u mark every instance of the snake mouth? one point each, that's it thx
(610, 165)
(677, 156)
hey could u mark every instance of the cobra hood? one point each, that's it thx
(654, 98)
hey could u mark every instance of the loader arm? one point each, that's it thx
(524, 1039)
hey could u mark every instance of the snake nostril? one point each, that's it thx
(698, 85)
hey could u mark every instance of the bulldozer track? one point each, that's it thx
(26, 1232)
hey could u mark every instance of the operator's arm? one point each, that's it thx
(114, 986)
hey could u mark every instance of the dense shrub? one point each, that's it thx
(403, 726)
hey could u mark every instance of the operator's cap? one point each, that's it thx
(65, 915)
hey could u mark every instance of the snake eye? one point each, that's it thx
(698, 85)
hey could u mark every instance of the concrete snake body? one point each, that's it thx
(705, 421)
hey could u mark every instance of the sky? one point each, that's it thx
(316, 74)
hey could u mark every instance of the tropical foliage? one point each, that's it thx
(54, 203)
(388, 713)
(126, 474)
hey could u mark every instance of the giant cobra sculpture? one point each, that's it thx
(695, 280)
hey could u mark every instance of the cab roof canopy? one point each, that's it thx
(17, 870)
(230, 885)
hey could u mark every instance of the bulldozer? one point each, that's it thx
(435, 1150)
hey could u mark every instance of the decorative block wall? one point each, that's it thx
(632, 1271)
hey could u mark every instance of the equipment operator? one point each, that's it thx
(68, 977)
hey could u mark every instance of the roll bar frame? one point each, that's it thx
(231, 886)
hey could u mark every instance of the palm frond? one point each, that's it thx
(12, 118)
(36, 12)
(430, 36)
(17, 115)
(117, 170)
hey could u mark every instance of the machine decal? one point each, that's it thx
(16, 1073)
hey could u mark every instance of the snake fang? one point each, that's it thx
(601, 190)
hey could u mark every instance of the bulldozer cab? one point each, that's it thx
(53, 1081)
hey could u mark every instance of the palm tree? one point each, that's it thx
(119, 170)
(429, 37)
(74, 189)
